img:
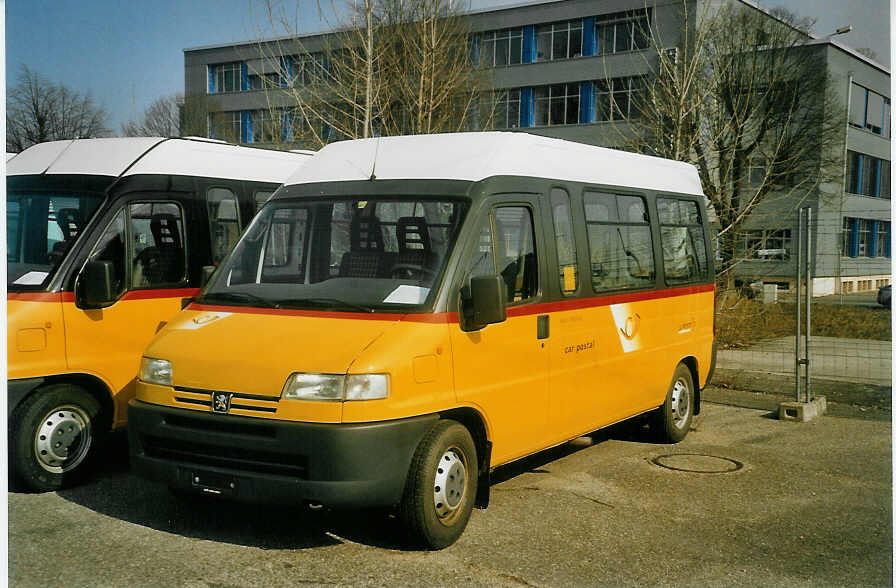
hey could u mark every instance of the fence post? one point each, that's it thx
(799, 266)
(808, 299)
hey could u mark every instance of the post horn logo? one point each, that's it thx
(632, 326)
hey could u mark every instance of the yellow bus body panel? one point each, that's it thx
(35, 338)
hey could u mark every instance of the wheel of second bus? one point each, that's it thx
(441, 486)
(672, 420)
(54, 434)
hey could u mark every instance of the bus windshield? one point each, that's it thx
(40, 229)
(350, 254)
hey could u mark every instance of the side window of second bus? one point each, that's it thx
(681, 235)
(224, 221)
(619, 240)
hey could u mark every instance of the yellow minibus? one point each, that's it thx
(104, 239)
(411, 312)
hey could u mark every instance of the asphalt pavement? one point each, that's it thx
(744, 500)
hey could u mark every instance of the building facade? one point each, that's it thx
(568, 69)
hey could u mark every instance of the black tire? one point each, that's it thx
(432, 522)
(671, 422)
(67, 414)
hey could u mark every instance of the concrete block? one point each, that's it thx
(802, 411)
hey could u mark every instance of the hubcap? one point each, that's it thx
(62, 439)
(450, 483)
(681, 403)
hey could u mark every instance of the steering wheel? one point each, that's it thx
(411, 271)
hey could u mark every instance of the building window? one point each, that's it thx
(867, 175)
(225, 126)
(560, 40)
(622, 31)
(304, 70)
(500, 48)
(557, 105)
(264, 81)
(869, 110)
(266, 126)
(768, 244)
(864, 237)
(617, 98)
(503, 111)
(227, 78)
(883, 239)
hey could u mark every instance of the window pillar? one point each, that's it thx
(887, 241)
(475, 44)
(529, 53)
(286, 126)
(211, 79)
(244, 77)
(860, 161)
(527, 107)
(246, 135)
(853, 237)
(872, 240)
(586, 102)
(875, 189)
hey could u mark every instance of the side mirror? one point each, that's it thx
(483, 303)
(93, 288)
(207, 271)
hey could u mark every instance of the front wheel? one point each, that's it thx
(53, 436)
(672, 420)
(441, 486)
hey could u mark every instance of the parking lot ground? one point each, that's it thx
(810, 505)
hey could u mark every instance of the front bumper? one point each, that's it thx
(260, 460)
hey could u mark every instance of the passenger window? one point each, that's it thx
(224, 221)
(159, 255)
(681, 235)
(261, 197)
(619, 241)
(515, 252)
(110, 247)
(566, 243)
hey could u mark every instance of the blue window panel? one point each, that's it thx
(211, 79)
(246, 126)
(875, 189)
(475, 42)
(211, 126)
(527, 107)
(860, 163)
(529, 54)
(872, 240)
(286, 68)
(589, 39)
(853, 237)
(244, 77)
(865, 116)
(887, 242)
(586, 102)
(286, 127)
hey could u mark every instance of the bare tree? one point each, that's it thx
(160, 119)
(745, 98)
(38, 110)
(390, 67)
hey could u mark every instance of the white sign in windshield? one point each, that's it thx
(32, 279)
(406, 294)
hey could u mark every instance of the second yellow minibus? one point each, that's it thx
(413, 312)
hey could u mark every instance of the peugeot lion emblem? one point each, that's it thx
(221, 402)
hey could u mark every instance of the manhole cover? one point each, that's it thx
(698, 463)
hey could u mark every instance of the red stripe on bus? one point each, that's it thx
(132, 295)
(452, 317)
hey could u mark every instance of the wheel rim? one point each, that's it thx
(450, 487)
(681, 403)
(63, 439)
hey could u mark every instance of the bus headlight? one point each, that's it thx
(155, 371)
(330, 387)
(366, 386)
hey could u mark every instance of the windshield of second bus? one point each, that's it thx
(40, 229)
(347, 254)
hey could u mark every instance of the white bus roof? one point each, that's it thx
(154, 155)
(476, 156)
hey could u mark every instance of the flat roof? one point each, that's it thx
(477, 156)
(155, 155)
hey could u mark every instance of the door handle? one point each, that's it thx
(544, 326)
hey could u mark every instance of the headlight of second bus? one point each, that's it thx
(155, 371)
(336, 387)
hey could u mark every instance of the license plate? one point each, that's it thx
(212, 483)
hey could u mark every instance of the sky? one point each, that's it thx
(128, 53)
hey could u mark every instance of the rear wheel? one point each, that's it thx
(53, 437)
(672, 420)
(441, 486)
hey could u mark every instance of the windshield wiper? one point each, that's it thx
(326, 302)
(238, 297)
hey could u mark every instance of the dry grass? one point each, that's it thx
(741, 322)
